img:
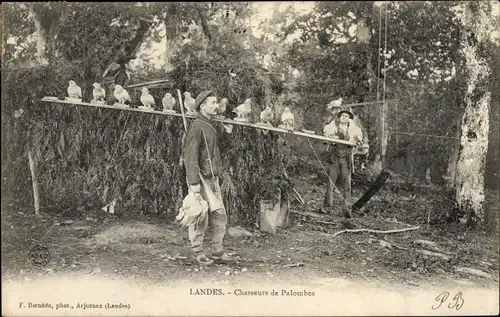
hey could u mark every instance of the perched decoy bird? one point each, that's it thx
(244, 110)
(146, 99)
(98, 93)
(189, 102)
(121, 95)
(74, 91)
(288, 119)
(168, 102)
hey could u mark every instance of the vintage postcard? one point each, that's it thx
(250, 158)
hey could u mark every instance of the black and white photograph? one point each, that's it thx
(266, 158)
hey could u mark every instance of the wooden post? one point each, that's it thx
(34, 181)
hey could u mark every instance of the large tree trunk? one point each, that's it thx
(452, 162)
(41, 45)
(171, 44)
(470, 168)
(377, 138)
(130, 50)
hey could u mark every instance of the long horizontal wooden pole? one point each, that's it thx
(364, 103)
(149, 83)
(191, 116)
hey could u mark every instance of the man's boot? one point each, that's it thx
(224, 258)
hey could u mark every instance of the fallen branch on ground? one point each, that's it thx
(376, 231)
(436, 254)
(299, 198)
(325, 222)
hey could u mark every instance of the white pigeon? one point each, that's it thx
(335, 103)
(121, 94)
(168, 102)
(146, 99)
(288, 119)
(244, 109)
(267, 115)
(330, 129)
(98, 92)
(74, 91)
(189, 102)
(222, 106)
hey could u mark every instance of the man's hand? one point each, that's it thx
(194, 188)
(228, 127)
(358, 141)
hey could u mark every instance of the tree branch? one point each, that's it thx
(130, 49)
(376, 231)
(204, 24)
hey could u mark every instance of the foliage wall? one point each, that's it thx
(89, 156)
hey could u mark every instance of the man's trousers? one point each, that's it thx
(215, 221)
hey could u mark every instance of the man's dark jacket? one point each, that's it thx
(196, 153)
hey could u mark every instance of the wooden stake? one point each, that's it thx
(34, 181)
(182, 109)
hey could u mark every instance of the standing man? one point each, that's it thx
(203, 164)
(122, 76)
(339, 157)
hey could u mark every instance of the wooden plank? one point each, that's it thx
(191, 116)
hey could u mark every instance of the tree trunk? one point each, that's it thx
(167, 67)
(371, 20)
(41, 45)
(173, 43)
(469, 180)
(129, 52)
(452, 163)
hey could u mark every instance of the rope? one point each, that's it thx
(335, 189)
(384, 105)
(385, 52)
(379, 41)
(423, 134)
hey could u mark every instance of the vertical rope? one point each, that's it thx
(384, 105)
(378, 53)
(385, 52)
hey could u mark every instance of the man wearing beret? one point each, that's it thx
(203, 164)
(339, 157)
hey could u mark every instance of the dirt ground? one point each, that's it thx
(98, 244)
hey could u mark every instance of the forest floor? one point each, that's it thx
(102, 245)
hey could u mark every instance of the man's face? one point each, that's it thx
(344, 118)
(210, 106)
